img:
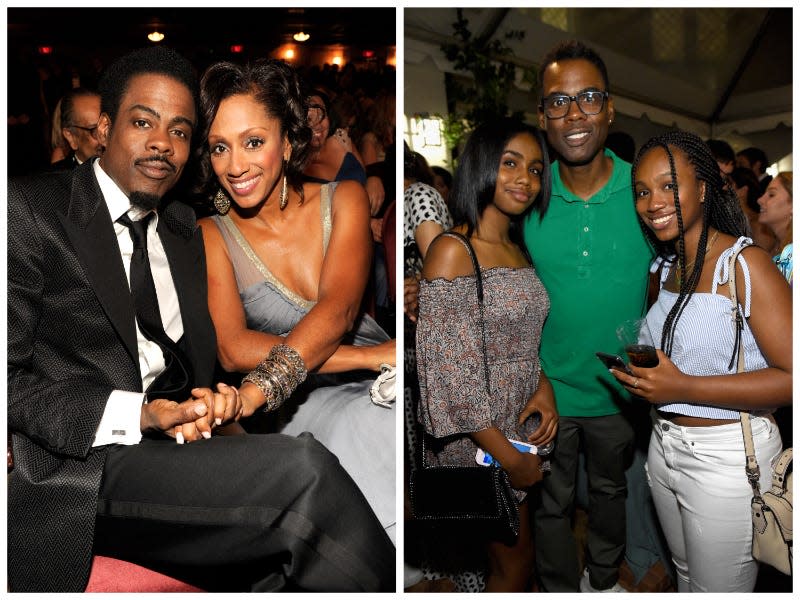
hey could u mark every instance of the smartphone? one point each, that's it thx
(485, 459)
(614, 361)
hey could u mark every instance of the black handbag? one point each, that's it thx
(479, 497)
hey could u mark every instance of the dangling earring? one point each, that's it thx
(222, 203)
(284, 197)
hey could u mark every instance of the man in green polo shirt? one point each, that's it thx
(592, 257)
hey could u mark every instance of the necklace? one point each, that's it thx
(691, 264)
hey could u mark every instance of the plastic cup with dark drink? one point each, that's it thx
(642, 355)
(639, 354)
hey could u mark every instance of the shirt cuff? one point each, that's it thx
(121, 420)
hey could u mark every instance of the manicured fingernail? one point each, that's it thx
(179, 437)
(206, 434)
(218, 421)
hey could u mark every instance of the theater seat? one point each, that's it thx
(113, 575)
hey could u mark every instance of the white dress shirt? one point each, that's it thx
(120, 423)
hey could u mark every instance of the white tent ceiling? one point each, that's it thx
(720, 72)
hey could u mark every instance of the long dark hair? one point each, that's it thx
(275, 86)
(475, 178)
(721, 210)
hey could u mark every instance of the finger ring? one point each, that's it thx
(636, 382)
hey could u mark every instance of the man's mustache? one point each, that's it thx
(156, 159)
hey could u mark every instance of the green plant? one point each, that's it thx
(493, 74)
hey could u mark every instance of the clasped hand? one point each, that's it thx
(194, 418)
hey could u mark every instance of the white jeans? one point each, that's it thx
(702, 497)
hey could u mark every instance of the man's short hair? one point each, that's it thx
(721, 150)
(753, 154)
(155, 60)
(572, 50)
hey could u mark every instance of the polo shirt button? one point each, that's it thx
(586, 229)
(585, 253)
(665, 426)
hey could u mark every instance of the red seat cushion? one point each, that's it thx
(113, 575)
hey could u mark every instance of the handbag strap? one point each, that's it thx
(479, 290)
(779, 471)
(751, 464)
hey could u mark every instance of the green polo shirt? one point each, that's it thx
(593, 259)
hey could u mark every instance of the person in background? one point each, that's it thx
(776, 213)
(80, 113)
(334, 157)
(696, 457)
(59, 148)
(466, 403)
(442, 181)
(723, 154)
(746, 186)
(756, 160)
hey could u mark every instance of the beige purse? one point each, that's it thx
(772, 510)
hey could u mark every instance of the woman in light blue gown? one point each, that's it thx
(288, 263)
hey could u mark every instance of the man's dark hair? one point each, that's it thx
(721, 150)
(68, 105)
(753, 154)
(573, 50)
(156, 60)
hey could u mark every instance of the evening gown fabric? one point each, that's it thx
(335, 408)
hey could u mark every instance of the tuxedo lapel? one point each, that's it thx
(91, 232)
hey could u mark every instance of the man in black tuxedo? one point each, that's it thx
(97, 398)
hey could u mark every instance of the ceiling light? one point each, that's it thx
(301, 37)
(155, 36)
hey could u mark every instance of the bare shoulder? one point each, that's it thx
(758, 261)
(350, 195)
(446, 258)
(760, 265)
(210, 229)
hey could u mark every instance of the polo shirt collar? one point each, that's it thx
(620, 180)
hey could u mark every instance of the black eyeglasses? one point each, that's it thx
(90, 130)
(556, 106)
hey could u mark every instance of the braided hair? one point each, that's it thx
(721, 210)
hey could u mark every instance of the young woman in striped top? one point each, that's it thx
(696, 457)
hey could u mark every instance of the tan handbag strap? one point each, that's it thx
(779, 472)
(751, 464)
